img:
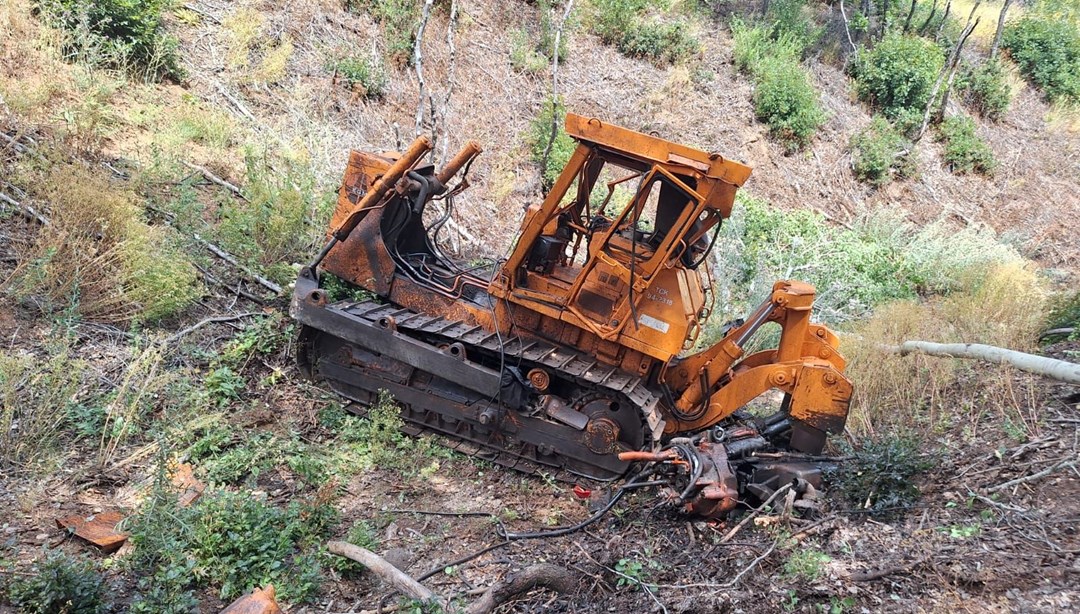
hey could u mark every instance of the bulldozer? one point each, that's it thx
(575, 354)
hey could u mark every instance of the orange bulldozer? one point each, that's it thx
(574, 355)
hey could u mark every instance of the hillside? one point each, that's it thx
(158, 194)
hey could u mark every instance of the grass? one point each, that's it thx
(35, 398)
(98, 258)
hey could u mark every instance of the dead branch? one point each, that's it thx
(847, 30)
(214, 179)
(451, 26)
(753, 514)
(24, 210)
(947, 69)
(545, 575)
(1034, 476)
(944, 20)
(1060, 370)
(555, 86)
(887, 571)
(1000, 28)
(952, 69)
(236, 103)
(380, 567)
(418, 64)
(214, 320)
(227, 257)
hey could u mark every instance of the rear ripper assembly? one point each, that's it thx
(572, 356)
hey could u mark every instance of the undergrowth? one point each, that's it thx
(879, 476)
(61, 584)
(644, 29)
(986, 89)
(896, 76)
(965, 152)
(399, 20)
(1047, 50)
(540, 135)
(880, 153)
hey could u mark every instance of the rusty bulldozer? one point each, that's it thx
(574, 355)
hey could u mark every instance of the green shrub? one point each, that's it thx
(523, 54)
(125, 33)
(232, 540)
(540, 134)
(787, 102)
(363, 75)
(399, 19)
(1047, 50)
(755, 44)
(965, 152)
(986, 89)
(880, 476)
(790, 18)
(897, 75)
(663, 42)
(62, 584)
(624, 24)
(880, 152)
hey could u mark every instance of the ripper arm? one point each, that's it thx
(805, 365)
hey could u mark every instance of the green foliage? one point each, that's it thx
(338, 289)
(965, 152)
(262, 337)
(784, 97)
(806, 563)
(986, 89)
(663, 42)
(625, 24)
(897, 75)
(232, 540)
(880, 477)
(224, 386)
(124, 33)
(635, 572)
(1047, 50)
(540, 135)
(399, 19)
(282, 216)
(882, 257)
(1065, 313)
(61, 584)
(787, 102)
(880, 152)
(523, 54)
(363, 75)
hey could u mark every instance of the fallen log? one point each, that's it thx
(544, 575)
(1068, 372)
(380, 567)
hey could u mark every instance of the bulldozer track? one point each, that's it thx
(455, 434)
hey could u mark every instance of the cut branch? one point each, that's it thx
(545, 575)
(211, 177)
(1068, 372)
(380, 567)
(227, 257)
(24, 210)
(214, 320)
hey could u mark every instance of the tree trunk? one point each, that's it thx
(1000, 28)
(1068, 372)
(926, 24)
(911, 12)
(952, 70)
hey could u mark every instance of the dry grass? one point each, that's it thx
(97, 259)
(1001, 306)
(34, 396)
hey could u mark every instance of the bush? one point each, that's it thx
(61, 584)
(539, 136)
(965, 152)
(1047, 51)
(663, 42)
(787, 102)
(35, 396)
(880, 152)
(98, 259)
(897, 75)
(118, 32)
(986, 89)
(231, 540)
(880, 476)
(364, 76)
(755, 44)
(399, 19)
(623, 23)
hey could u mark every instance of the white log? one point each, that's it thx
(382, 568)
(1063, 371)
